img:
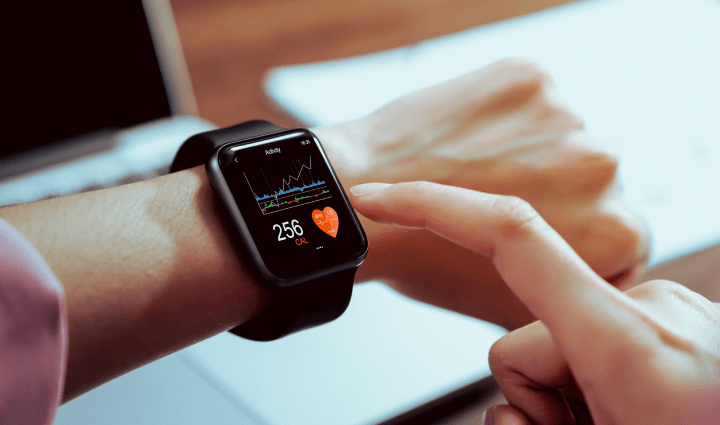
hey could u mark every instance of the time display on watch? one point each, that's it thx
(295, 211)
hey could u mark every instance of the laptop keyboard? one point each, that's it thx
(140, 153)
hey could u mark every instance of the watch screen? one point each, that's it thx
(293, 207)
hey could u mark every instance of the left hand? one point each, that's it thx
(501, 129)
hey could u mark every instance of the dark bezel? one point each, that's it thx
(239, 230)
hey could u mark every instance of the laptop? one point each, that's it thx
(99, 95)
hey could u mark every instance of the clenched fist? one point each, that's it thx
(504, 130)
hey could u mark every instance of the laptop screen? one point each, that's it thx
(78, 67)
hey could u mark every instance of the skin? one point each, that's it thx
(148, 269)
(502, 129)
(598, 355)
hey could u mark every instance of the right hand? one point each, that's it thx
(598, 356)
(658, 367)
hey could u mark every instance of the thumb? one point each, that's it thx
(582, 311)
(503, 414)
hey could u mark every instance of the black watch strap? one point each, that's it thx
(196, 150)
(300, 307)
(294, 308)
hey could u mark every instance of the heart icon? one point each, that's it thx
(327, 221)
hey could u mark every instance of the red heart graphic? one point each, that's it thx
(327, 220)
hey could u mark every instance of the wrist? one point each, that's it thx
(211, 262)
(350, 153)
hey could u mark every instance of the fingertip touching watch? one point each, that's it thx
(283, 205)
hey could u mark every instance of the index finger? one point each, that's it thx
(578, 306)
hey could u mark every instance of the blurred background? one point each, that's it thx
(103, 94)
(229, 45)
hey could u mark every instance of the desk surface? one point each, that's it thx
(229, 45)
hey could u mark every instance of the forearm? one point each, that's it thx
(350, 152)
(147, 270)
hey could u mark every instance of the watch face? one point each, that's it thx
(295, 211)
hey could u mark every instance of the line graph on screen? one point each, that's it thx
(286, 185)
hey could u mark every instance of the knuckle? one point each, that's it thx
(597, 171)
(622, 233)
(419, 187)
(497, 358)
(603, 166)
(658, 288)
(614, 243)
(551, 108)
(596, 160)
(632, 235)
(527, 68)
(662, 285)
(585, 167)
(528, 78)
(517, 215)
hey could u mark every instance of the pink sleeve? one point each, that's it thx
(33, 334)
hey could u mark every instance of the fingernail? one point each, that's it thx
(489, 417)
(368, 188)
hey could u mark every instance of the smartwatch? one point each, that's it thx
(289, 218)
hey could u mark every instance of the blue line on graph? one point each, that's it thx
(282, 190)
(290, 190)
